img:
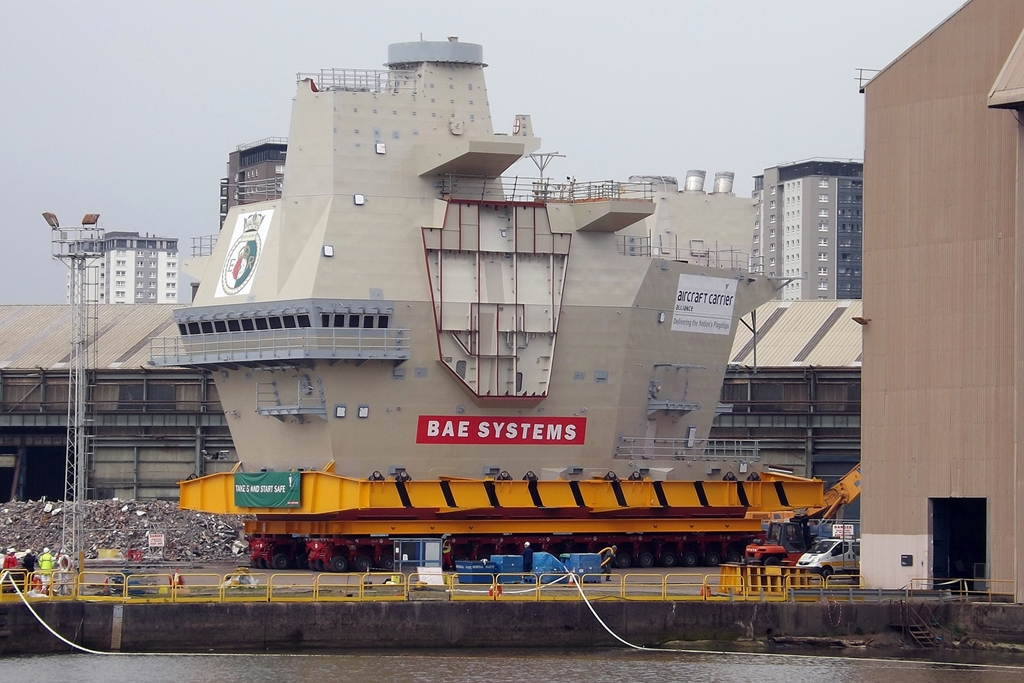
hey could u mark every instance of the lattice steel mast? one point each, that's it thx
(78, 248)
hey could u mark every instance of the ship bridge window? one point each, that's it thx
(261, 324)
(234, 326)
(382, 321)
(183, 329)
(220, 326)
(193, 328)
(325, 320)
(275, 323)
(353, 321)
(367, 322)
(289, 322)
(303, 320)
(247, 325)
(207, 327)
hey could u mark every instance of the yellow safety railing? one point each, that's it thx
(962, 590)
(198, 588)
(245, 586)
(688, 586)
(643, 587)
(292, 588)
(338, 587)
(733, 583)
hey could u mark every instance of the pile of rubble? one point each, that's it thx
(123, 526)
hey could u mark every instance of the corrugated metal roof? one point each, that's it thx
(40, 336)
(1008, 90)
(810, 333)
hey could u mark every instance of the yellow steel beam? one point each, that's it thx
(499, 527)
(327, 493)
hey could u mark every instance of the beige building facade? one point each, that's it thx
(944, 333)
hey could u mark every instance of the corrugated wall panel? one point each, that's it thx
(939, 243)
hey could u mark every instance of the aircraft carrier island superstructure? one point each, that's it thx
(405, 309)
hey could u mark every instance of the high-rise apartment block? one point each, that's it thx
(255, 174)
(134, 268)
(808, 227)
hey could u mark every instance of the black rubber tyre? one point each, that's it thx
(280, 561)
(826, 572)
(690, 559)
(254, 562)
(772, 562)
(362, 564)
(668, 559)
(623, 560)
(712, 558)
(645, 560)
(734, 557)
(387, 563)
(339, 564)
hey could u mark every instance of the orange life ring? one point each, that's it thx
(176, 579)
(495, 591)
(37, 583)
(705, 591)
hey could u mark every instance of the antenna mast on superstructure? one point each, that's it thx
(78, 248)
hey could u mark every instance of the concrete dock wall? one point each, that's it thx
(329, 626)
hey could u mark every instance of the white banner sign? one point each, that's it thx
(704, 304)
(842, 531)
(247, 242)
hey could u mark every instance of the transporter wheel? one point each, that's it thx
(362, 564)
(387, 563)
(690, 559)
(772, 562)
(712, 558)
(668, 559)
(734, 557)
(339, 564)
(262, 563)
(280, 561)
(645, 560)
(622, 560)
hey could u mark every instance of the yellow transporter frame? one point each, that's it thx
(333, 504)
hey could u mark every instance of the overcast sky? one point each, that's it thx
(129, 109)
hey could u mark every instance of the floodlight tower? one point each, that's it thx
(78, 248)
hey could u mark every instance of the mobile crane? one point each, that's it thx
(786, 541)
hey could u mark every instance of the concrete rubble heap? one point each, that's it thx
(124, 525)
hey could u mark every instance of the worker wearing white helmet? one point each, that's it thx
(527, 557)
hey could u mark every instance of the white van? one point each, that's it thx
(832, 556)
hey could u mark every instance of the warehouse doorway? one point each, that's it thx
(959, 539)
(44, 473)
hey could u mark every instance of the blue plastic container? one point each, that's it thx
(547, 564)
(476, 571)
(508, 564)
(585, 563)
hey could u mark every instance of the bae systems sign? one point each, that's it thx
(704, 304)
(502, 431)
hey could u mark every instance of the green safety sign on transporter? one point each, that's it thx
(268, 489)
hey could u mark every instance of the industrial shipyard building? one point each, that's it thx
(943, 307)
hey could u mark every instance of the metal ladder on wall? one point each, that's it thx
(915, 628)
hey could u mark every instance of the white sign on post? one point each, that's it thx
(704, 304)
(842, 530)
(156, 539)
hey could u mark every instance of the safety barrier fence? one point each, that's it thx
(245, 586)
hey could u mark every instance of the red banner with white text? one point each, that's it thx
(501, 431)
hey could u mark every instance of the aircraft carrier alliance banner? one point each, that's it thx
(501, 431)
(704, 304)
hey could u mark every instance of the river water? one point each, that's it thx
(497, 666)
